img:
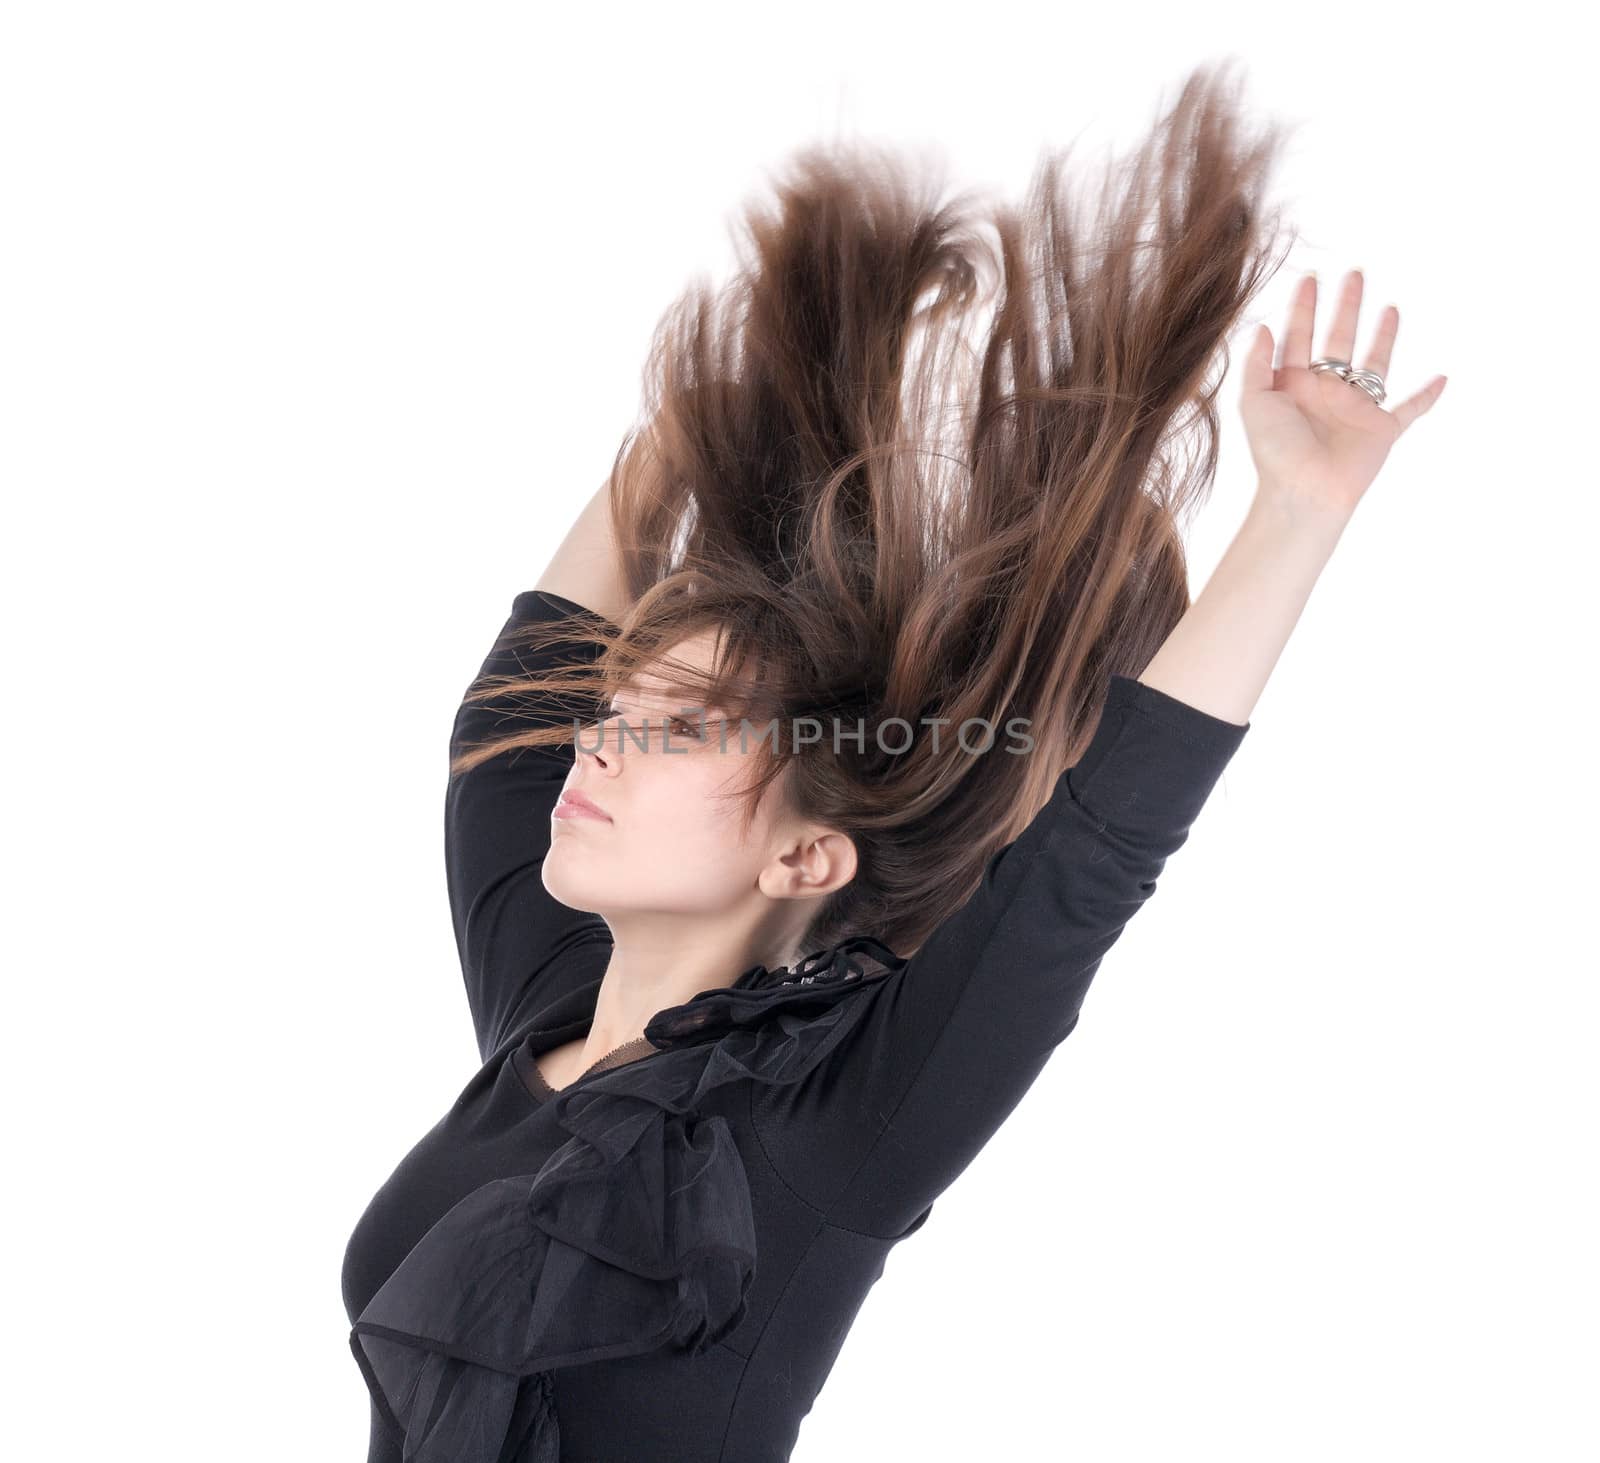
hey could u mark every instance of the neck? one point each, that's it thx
(657, 965)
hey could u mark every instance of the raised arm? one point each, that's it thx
(511, 933)
(952, 1044)
(977, 1011)
(1219, 655)
(1318, 442)
(585, 567)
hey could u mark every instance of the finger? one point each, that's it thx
(1417, 403)
(1342, 332)
(1297, 338)
(1382, 347)
(1257, 372)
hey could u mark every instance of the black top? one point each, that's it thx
(663, 1259)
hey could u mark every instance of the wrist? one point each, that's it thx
(1296, 521)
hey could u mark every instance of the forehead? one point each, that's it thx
(654, 680)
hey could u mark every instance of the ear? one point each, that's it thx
(817, 862)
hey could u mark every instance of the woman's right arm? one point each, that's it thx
(512, 934)
(585, 567)
(514, 937)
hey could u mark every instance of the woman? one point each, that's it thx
(795, 809)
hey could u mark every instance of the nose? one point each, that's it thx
(597, 746)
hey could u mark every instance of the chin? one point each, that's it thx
(567, 880)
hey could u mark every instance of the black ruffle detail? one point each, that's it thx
(636, 1233)
(760, 993)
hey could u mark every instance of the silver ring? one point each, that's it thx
(1370, 382)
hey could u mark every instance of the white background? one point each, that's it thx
(320, 324)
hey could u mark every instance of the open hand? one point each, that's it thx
(1317, 440)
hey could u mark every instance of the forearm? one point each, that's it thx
(1219, 655)
(586, 568)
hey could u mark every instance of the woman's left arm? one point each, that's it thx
(1318, 442)
(951, 1046)
(1218, 656)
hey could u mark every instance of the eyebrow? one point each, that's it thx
(708, 712)
(674, 708)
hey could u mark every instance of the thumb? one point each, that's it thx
(1257, 374)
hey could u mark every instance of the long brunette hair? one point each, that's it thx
(884, 522)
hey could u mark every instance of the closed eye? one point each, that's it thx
(685, 725)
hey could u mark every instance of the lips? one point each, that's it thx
(573, 804)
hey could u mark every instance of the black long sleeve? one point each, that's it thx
(511, 933)
(950, 1050)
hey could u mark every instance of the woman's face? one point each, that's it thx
(669, 845)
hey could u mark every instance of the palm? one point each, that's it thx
(1311, 433)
